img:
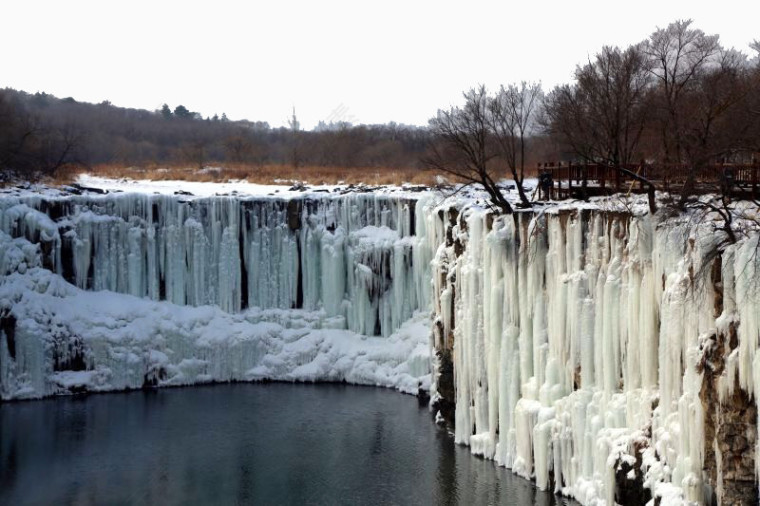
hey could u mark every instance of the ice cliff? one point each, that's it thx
(607, 355)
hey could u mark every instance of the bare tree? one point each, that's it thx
(715, 126)
(751, 110)
(65, 146)
(511, 117)
(17, 132)
(678, 55)
(197, 143)
(238, 147)
(31, 148)
(463, 145)
(602, 116)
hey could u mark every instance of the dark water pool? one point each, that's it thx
(243, 444)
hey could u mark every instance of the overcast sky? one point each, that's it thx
(364, 62)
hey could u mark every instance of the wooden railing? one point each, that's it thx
(580, 180)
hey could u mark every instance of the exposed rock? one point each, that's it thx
(294, 214)
(153, 377)
(629, 481)
(730, 429)
(446, 402)
(8, 328)
(78, 189)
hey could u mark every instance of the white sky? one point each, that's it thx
(364, 62)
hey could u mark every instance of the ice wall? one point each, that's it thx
(121, 291)
(57, 339)
(578, 342)
(350, 255)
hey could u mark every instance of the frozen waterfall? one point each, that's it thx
(350, 255)
(609, 355)
(579, 341)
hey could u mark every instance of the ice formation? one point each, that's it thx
(67, 340)
(350, 255)
(579, 339)
(607, 354)
(125, 290)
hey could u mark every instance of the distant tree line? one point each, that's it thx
(40, 134)
(678, 97)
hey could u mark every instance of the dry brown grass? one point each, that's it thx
(266, 174)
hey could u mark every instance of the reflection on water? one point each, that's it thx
(243, 444)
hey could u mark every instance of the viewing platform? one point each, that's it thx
(582, 180)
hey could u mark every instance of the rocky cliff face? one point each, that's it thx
(730, 427)
(605, 355)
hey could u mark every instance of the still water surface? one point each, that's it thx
(243, 444)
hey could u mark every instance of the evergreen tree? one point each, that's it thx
(183, 112)
(166, 112)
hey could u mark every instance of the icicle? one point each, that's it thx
(352, 255)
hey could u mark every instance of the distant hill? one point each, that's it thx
(41, 134)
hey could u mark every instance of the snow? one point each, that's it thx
(576, 329)
(126, 342)
(240, 188)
